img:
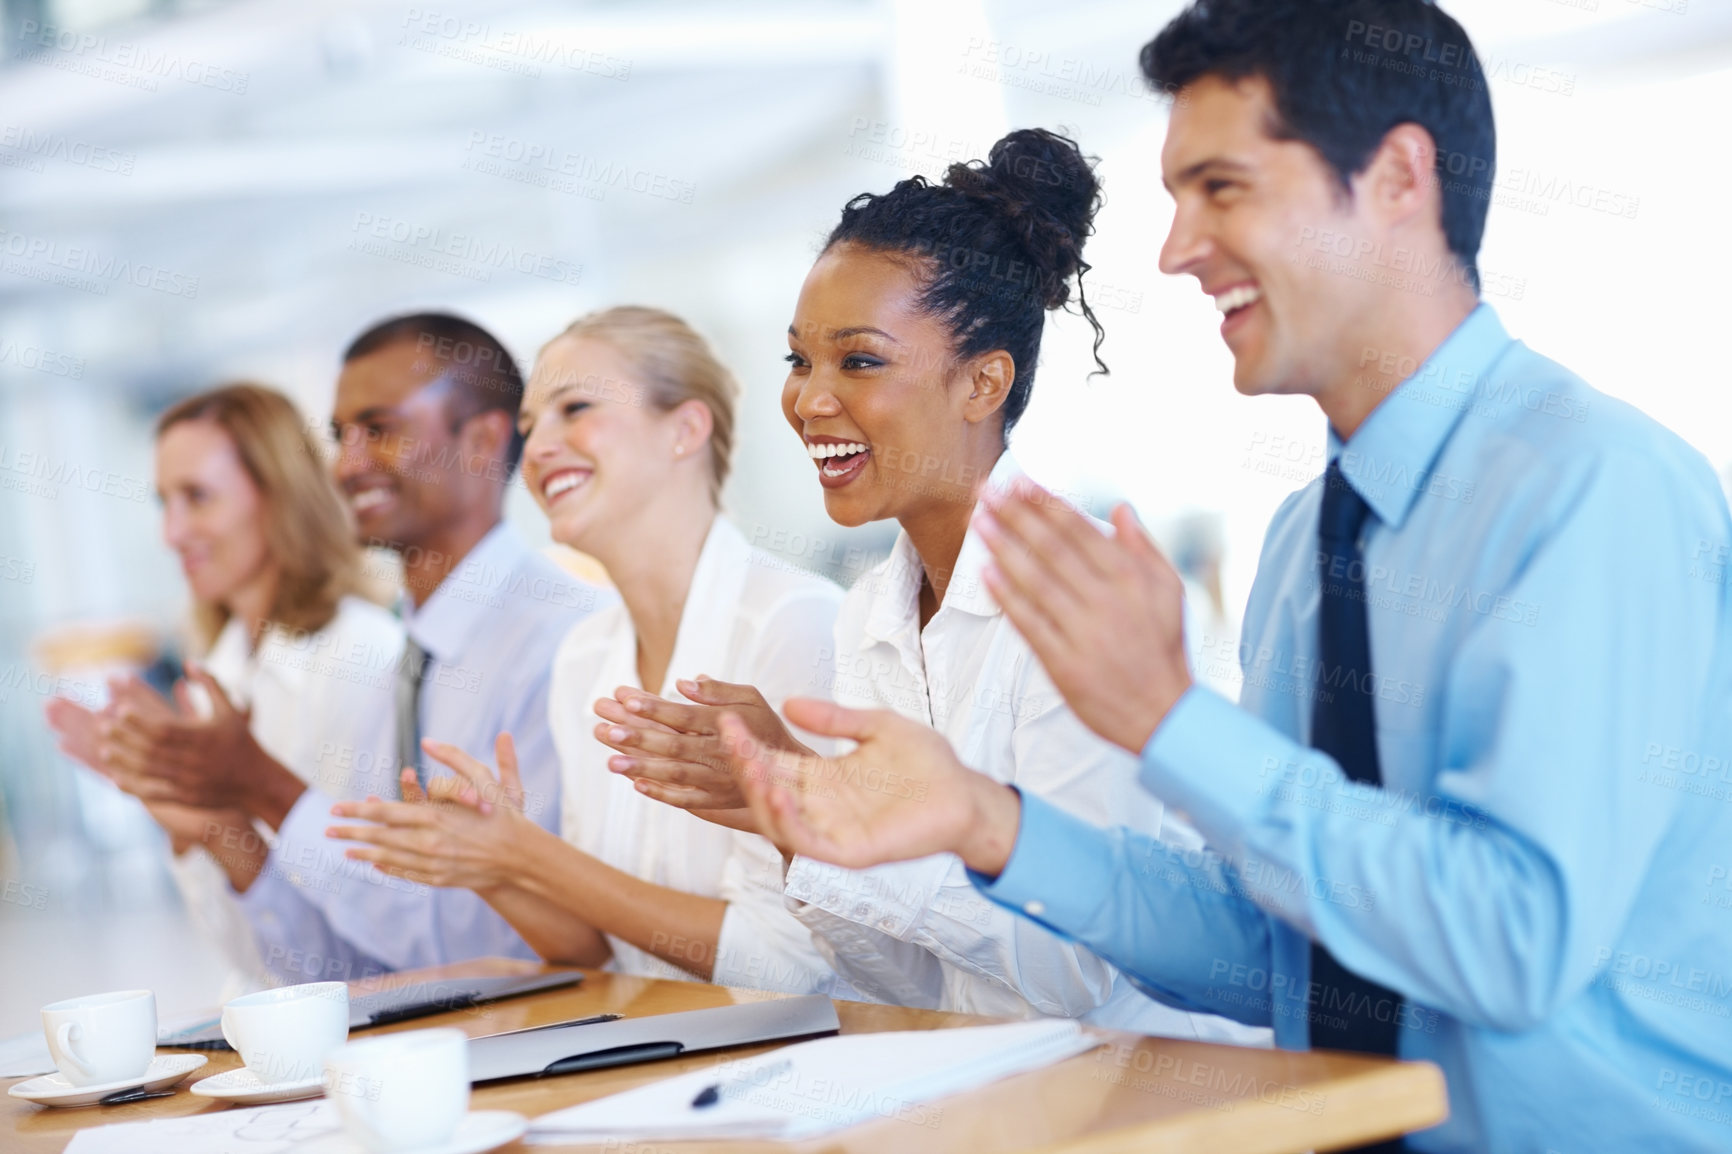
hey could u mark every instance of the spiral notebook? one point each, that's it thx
(817, 1087)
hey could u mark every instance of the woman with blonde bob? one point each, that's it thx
(629, 423)
(281, 624)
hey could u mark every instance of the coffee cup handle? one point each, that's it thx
(63, 1042)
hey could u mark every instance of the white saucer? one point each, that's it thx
(54, 1090)
(479, 1131)
(243, 1088)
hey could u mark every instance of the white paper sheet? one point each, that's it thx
(244, 1130)
(817, 1087)
(25, 1056)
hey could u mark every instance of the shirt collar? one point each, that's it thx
(896, 603)
(1389, 458)
(719, 579)
(462, 604)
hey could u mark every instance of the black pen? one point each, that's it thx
(715, 1092)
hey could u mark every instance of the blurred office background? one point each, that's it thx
(197, 191)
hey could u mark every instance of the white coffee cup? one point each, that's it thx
(401, 1091)
(284, 1034)
(102, 1038)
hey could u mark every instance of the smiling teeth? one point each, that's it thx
(368, 498)
(822, 452)
(1239, 297)
(563, 483)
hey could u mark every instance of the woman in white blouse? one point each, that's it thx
(912, 352)
(628, 421)
(281, 624)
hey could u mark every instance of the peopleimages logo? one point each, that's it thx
(90, 54)
(59, 146)
(47, 475)
(41, 360)
(458, 253)
(37, 252)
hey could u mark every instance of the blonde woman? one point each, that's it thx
(629, 421)
(282, 628)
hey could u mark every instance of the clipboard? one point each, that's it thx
(591, 1045)
(399, 1004)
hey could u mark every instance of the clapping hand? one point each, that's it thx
(900, 794)
(177, 755)
(464, 831)
(673, 751)
(1105, 614)
(79, 733)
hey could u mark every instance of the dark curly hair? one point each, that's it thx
(995, 245)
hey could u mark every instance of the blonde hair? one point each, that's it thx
(677, 364)
(307, 526)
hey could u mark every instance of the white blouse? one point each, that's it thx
(748, 618)
(918, 933)
(321, 702)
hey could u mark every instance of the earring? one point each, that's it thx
(679, 450)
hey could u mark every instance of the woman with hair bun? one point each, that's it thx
(912, 355)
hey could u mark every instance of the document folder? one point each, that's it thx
(399, 1004)
(587, 1046)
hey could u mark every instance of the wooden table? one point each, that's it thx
(1131, 1094)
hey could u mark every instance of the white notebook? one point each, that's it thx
(816, 1087)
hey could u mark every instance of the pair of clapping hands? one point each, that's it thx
(163, 752)
(1103, 612)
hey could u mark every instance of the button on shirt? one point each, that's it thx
(490, 630)
(1548, 615)
(916, 933)
(749, 618)
(310, 694)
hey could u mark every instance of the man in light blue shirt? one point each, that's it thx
(425, 419)
(1475, 805)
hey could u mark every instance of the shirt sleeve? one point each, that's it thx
(294, 940)
(403, 924)
(209, 901)
(836, 906)
(367, 916)
(1488, 894)
(932, 904)
(1172, 917)
(762, 945)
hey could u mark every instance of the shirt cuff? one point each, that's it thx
(890, 898)
(1060, 869)
(303, 856)
(1215, 762)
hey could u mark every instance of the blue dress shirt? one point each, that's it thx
(1544, 875)
(490, 631)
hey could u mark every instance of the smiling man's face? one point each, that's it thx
(1255, 221)
(396, 446)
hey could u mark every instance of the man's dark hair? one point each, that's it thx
(995, 245)
(1345, 72)
(482, 374)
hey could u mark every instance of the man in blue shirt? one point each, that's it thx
(425, 418)
(1475, 805)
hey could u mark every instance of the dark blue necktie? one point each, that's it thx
(1347, 1012)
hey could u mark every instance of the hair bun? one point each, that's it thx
(1047, 191)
